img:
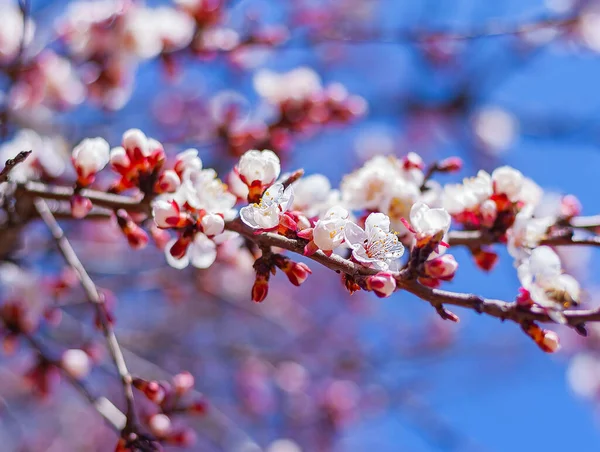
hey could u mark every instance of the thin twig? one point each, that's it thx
(97, 300)
(11, 163)
(114, 417)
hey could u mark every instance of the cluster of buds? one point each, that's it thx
(300, 106)
(139, 161)
(171, 399)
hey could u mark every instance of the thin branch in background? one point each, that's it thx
(114, 417)
(492, 30)
(97, 300)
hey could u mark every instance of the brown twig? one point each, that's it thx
(495, 308)
(11, 163)
(436, 297)
(97, 300)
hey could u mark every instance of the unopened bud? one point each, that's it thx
(168, 182)
(413, 161)
(260, 289)
(212, 224)
(76, 363)
(485, 259)
(297, 272)
(450, 165)
(570, 206)
(153, 390)
(442, 267)
(183, 382)
(546, 340)
(383, 284)
(80, 206)
(160, 425)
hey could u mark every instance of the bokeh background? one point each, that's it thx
(395, 377)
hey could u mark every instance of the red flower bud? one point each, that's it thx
(260, 289)
(485, 259)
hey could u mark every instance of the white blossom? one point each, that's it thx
(328, 232)
(508, 181)
(212, 224)
(90, 156)
(541, 274)
(202, 189)
(526, 232)
(261, 167)
(166, 214)
(471, 193)
(375, 245)
(428, 223)
(265, 215)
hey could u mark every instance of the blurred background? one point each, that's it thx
(310, 368)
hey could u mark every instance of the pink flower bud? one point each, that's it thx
(76, 363)
(80, 206)
(160, 425)
(442, 267)
(570, 206)
(168, 182)
(212, 224)
(489, 213)
(413, 161)
(183, 382)
(450, 165)
(89, 157)
(383, 284)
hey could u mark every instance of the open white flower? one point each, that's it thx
(203, 190)
(472, 192)
(259, 167)
(428, 223)
(548, 287)
(201, 253)
(375, 245)
(526, 232)
(274, 202)
(328, 232)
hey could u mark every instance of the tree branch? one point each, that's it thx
(436, 297)
(97, 300)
